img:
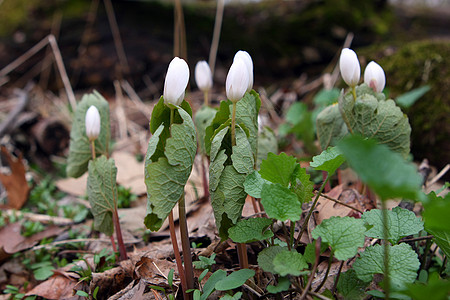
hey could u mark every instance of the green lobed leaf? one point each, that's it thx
(209, 286)
(102, 193)
(403, 264)
(400, 223)
(385, 171)
(350, 286)
(278, 168)
(283, 285)
(302, 125)
(202, 119)
(343, 234)
(167, 173)
(266, 257)
(373, 117)
(80, 149)
(436, 287)
(251, 230)
(253, 184)
(234, 280)
(437, 210)
(330, 126)
(303, 186)
(227, 180)
(329, 160)
(236, 296)
(408, 99)
(267, 143)
(442, 239)
(289, 262)
(280, 203)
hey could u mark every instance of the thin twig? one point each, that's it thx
(341, 203)
(420, 238)
(57, 243)
(50, 39)
(116, 36)
(216, 35)
(439, 175)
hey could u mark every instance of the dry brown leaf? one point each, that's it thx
(11, 241)
(154, 271)
(15, 183)
(56, 287)
(130, 172)
(73, 186)
(327, 208)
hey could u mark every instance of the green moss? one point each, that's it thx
(414, 65)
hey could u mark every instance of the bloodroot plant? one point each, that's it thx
(89, 141)
(168, 163)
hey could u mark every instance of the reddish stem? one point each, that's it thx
(180, 268)
(122, 250)
(204, 162)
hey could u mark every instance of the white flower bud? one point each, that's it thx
(92, 122)
(203, 76)
(177, 78)
(237, 80)
(349, 66)
(374, 77)
(249, 64)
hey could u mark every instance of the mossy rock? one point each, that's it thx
(414, 65)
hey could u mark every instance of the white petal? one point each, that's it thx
(374, 77)
(237, 80)
(177, 78)
(249, 64)
(92, 122)
(349, 66)
(203, 76)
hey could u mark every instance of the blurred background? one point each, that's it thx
(294, 45)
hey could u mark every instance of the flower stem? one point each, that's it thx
(122, 250)
(233, 125)
(204, 162)
(354, 93)
(206, 98)
(386, 250)
(93, 148)
(173, 238)
(184, 234)
(242, 255)
(305, 223)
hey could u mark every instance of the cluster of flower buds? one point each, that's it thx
(239, 79)
(351, 71)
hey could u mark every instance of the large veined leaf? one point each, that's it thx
(203, 119)
(247, 110)
(267, 143)
(227, 175)
(80, 148)
(403, 264)
(400, 223)
(373, 117)
(102, 193)
(344, 235)
(330, 126)
(167, 172)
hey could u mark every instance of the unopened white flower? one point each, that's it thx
(237, 80)
(177, 78)
(374, 77)
(249, 64)
(203, 76)
(92, 122)
(349, 66)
